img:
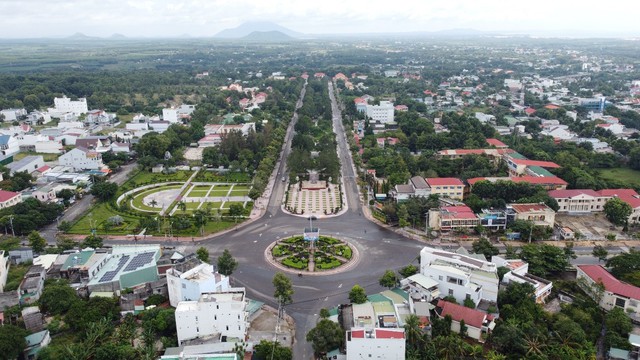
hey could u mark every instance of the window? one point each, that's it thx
(620, 302)
(440, 277)
(184, 286)
(468, 297)
(450, 292)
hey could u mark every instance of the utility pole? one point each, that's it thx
(11, 222)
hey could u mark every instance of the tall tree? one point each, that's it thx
(37, 242)
(326, 336)
(226, 263)
(283, 288)
(203, 254)
(617, 211)
(12, 341)
(389, 279)
(600, 252)
(104, 190)
(485, 247)
(357, 295)
(92, 241)
(271, 350)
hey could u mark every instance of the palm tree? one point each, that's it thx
(201, 219)
(153, 203)
(413, 332)
(182, 206)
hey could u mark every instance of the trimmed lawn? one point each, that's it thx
(228, 204)
(241, 187)
(239, 193)
(197, 193)
(625, 176)
(192, 206)
(98, 215)
(146, 177)
(218, 193)
(289, 262)
(46, 157)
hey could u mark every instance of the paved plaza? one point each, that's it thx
(317, 202)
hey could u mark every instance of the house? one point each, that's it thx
(461, 276)
(96, 117)
(420, 288)
(11, 115)
(519, 272)
(35, 342)
(190, 284)
(178, 114)
(375, 343)
(4, 269)
(21, 255)
(452, 217)
(98, 143)
(479, 324)
(45, 193)
(28, 164)
(446, 187)
(82, 159)
(539, 214)
(222, 313)
(616, 293)
(118, 147)
(31, 286)
(519, 165)
(127, 266)
(497, 144)
(9, 198)
(547, 182)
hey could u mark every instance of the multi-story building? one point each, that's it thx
(178, 114)
(518, 165)
(11, 115)
(32, 285)
(214, 314)
(82, 159)
(452, 217)
(4, 269)
(383, 113)
(190, 284)
(519, 272)
(446, 187)
(540, 214)
(616, 293)
(65, 105)
(547, 182)
(461, 276)
(375, 343)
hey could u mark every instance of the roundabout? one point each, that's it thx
(324, 256)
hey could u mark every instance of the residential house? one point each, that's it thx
(190, 284)
(82, 159)
(616, 293)
(178, 114)
(11, 115)
(446, 187)
(35, 343)
(420, 288)
(28, 164)
(616, 129)
(375, 343)
(461, 276)
(21, 255)
(540, 214)
(32, 284)
(479, 324)
(223, 313)
(46, 193)
(99, 117)
(519, 273)
(4, 269)
(9, 198)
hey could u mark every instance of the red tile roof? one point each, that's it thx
(358, 334)
(538, 180)
(611, 284)
(459, 212)
(572, 193)
(529, 111)
(629, 196)
(43, 168)
(497, 143)
(457, 312)
(7, 195)
(552, 107)
(444, 181)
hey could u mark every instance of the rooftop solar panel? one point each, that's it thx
(109, 275)
(139, 261)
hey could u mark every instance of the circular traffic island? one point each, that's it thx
(325, 255)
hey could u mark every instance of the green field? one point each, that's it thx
(218, 193)
(239, 192)
(197, 193)
(623, 176)
(98, 215)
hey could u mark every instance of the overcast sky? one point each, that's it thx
(53, 18)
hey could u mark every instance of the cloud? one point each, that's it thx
(33, 18)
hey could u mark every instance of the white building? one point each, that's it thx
(177, 114)
(377, 343)
(214, 314)
(383, 113)
(191, 284)
(65, 105)
(460, 276)
(616, 293)
(82, 159)
(13, 114)
(9, 198)
(518, 272)
(4, 269)
(28, 164)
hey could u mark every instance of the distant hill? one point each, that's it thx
(117, 36)
(267, 36)
(81, 36)
(248, 28)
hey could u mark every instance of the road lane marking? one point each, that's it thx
(339, 286)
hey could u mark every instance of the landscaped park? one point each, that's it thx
(324, 254)
(180, 203)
